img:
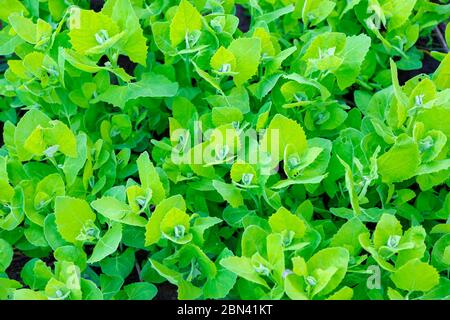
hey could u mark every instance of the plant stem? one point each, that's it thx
(188, 70)
(138, 270)
(441, 39)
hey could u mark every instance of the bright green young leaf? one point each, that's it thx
(107, 244)
(329, 258)
(348, 236)
(186, 20)
(229, 193)
(281, 133)
(111, 208)
(283, 221)
(72, 217)
(11, 6)
(388, 228)
(415, 276)
(134, 44)
(6, 255)
(247, 52)
(355, 50)
(243, 267)
(153, 232)
(150, 179)
(400, 162)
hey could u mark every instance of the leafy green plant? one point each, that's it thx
(161, 141)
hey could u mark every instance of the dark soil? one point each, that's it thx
(126, 64)
(244, 18)
(166, 291)
(13, 271)
(19, 261)
(97, 5)
(429, 65)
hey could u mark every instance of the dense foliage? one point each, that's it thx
(342, 192)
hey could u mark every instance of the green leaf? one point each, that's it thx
(440, 256)
(186, 20)
(315, 11)
(187, 291)
(140, 291)
(281, 133)
(400, 12)
(6, 255)
(120, 265)
(107, 244)
(324, 92)
(83, 63)
(152, 230)
(442, 75)
(59, 290)
(324, 260)
(400, 162)
(247, 52)
(111, 208)
(150, 179)
(349, 6)
(414, 236)
(229, 193)
(325, 52)
(175, 226)
(205, 76)
(253, 239)
(161, 34)
(226, 115)
(285, 221)
(72, 215)
(267, 84)
(242, 266)
(415, 275)
(223, 59)
(219, 286)
(73, 165)
(150, 86)
(355, 50)
(275, 255)
(344, 293)
(51, 233)
(172, 276)
(8, 43)
(93, 32)
(29, 31)
(134, 44)
(110, 285)
(28, 294)
(350, 185)
(72, 254)
(25, 128)
(348, 236)
(58, 134)
(387, 227)
(36, 274)
(11, 6)
(201, 224)
(90, 290)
